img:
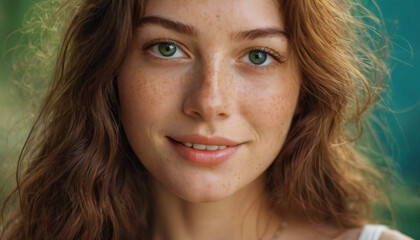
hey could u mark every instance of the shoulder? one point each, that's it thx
(388, 234)
(307, 230)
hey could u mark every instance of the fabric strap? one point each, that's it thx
(372, 232)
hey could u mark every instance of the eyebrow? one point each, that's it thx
(190, 30)
(259, 33)
(166, 23)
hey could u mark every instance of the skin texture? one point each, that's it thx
(209, 91)
(213, 90)
(210, 88)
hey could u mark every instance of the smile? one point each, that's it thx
(204, 150)
(204, 147)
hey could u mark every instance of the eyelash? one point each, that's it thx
(147, 46)
(274, 54)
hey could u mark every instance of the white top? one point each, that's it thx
(372, 232)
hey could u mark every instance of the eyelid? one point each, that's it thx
(272, 53)
(278, 59)
(148, 45)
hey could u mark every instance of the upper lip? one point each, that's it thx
(205, 140)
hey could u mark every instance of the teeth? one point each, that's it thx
(212, 148)
(204, 147)
(199, 146)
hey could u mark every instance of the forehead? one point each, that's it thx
(219, 14)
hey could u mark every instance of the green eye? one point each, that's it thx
(257, 57)
(167, 49)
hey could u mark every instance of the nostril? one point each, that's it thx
(196, 114)
(222, 115)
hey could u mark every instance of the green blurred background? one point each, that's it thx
(402, 113)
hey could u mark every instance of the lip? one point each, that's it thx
(200, 139)
(204, 156)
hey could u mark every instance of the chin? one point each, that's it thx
(202, 190)
(205, 196)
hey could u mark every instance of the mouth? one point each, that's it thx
(205, 150)
(204, 147)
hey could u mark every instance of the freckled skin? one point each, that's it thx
(211, 91)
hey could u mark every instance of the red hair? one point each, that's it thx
(84, 182)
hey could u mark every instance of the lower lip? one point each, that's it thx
(204, 156)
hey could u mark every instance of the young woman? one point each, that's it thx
(193, 119)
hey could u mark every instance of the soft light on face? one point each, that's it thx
(217, 72)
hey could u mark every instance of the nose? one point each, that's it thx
(209, 96)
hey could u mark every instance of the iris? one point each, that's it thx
(257, 57)
(167, 49)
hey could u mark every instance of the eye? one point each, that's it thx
(258, 57)
(167, 50)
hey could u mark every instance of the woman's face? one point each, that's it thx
(216, 73)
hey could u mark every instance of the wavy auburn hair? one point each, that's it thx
(82, 180)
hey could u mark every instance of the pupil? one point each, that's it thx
(167, 49)
(257, 57)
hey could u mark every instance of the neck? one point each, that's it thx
(244, 215)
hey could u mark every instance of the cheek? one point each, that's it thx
(269, 109)
(145, 95)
